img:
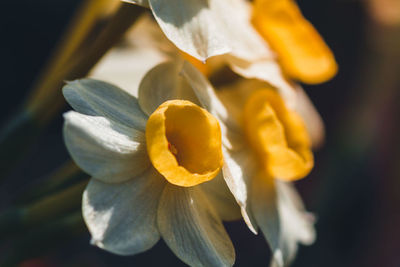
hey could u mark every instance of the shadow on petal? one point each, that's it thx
(122, 217)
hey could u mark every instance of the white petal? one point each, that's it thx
(122, 217)
(311, 117)
(280, 214)
(209, 100)
(243, 38)
(292, 210)
(192, 228)
(126, 66)
(217, 192)
(192, 25)
(204, 91)
(264, 205)
(97, 98)
(105, 149)
(268, 71)
(297, 226)
(144, 3)
(162, 83)
(238, 170)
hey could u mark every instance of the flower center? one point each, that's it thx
(278, 136)
(184, 143)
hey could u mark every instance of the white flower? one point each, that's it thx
(269, 204)
(272, 149)
(249, 57)
(132, 199)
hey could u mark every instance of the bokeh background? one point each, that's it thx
(354, 189)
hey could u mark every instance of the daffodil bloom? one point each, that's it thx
(273, 148)
(155, 162)
(250, 56)
(220, 30)
(301, 50)
(265, 145)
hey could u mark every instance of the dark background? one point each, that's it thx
(354, 189)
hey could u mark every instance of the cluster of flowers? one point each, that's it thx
(175, 157)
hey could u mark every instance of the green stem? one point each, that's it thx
(65, 176)
(23, 218)
(18, 134)
(45, 238)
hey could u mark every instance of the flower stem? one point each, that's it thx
(82, 62)
(45, 238)
(16, 134)
(22, 218)
(63, 177)
(22, 130)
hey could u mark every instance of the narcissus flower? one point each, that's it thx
(155, 162)
(250, 56)
(273, 148)
(302, 52)
(266, 145)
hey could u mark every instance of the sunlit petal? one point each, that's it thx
(238, 172)
(122, 217)
(192, 228)
(97, 98)
(162, 83)
(105, 149)
(192, 26)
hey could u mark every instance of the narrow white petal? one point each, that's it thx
(292, 210)
(280, 214)
(264, 205)
(192, 228)
(192, 25)
(97, 98)
(105, 149)
(144, 3)
(162, 83)
(122, 217)
(221, 198)
(297, 226)
(238, 170)
(311, 117)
